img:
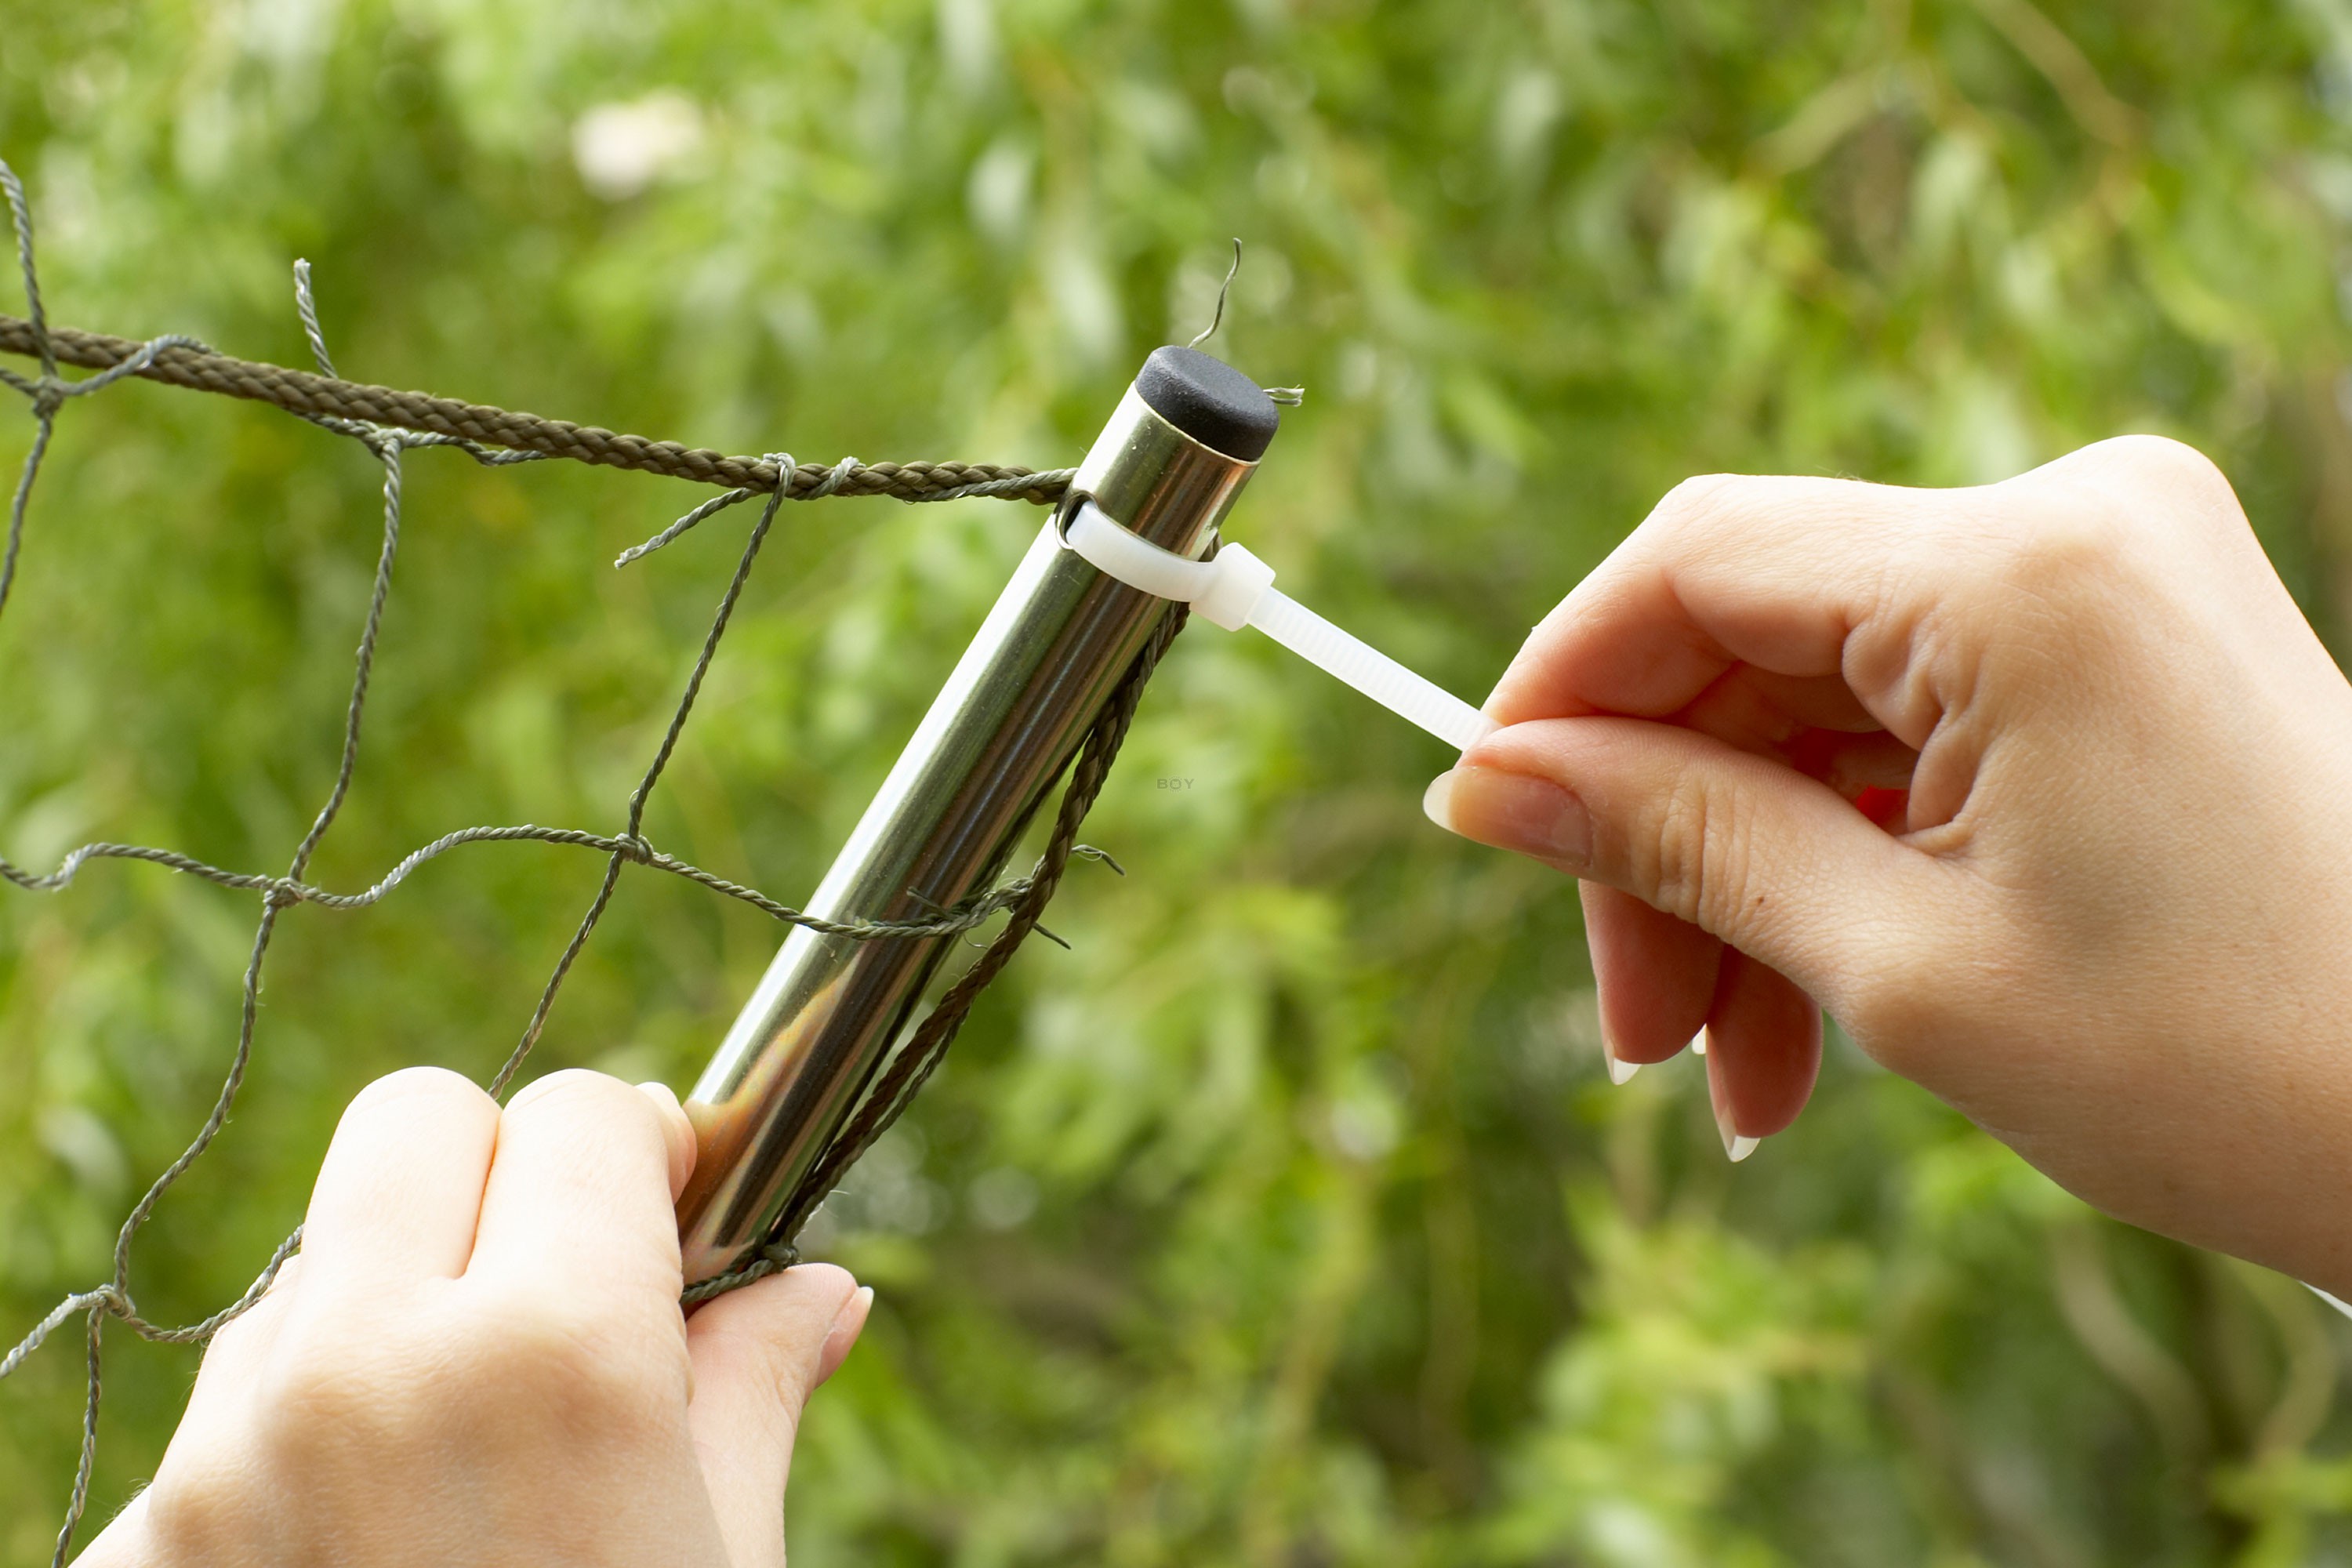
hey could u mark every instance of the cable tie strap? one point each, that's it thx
(1235, 589)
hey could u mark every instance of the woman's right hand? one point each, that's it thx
(2044, 789)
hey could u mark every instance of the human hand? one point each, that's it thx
(478, 1356)
(2044, 789)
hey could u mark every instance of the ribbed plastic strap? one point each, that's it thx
(1370, 671)
(1234, 588)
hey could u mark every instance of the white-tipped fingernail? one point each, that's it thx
(849, 1318)
(1437, 801)
(1618, 1071)
(848, 1322)
(1699, 1043)
(678, 1131)
(1736, 1147)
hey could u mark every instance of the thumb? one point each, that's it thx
(758, 1354)
(1777, 864)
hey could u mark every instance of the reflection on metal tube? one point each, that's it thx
(1170, 464)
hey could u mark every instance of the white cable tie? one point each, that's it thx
(1235, 589)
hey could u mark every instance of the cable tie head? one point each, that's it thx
(1225, 588)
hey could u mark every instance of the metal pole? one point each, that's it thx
(1176, 453)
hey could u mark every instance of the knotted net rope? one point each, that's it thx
(389, 424)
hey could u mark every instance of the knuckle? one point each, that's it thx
(581, 1365)
(416, 1083)
(194, 1509)
(2072, 547)
(2068, 562)
(575, 1090)
(2176, 493)
(1893, 999)
(2159, 468)
(2109, 501)
(1697, 851)
(503, 1368)
(1698, 502)
(1676, 871)
(577, 1104)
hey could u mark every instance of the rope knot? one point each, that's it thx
(631, 847)
(49, 395)
(838, 475)
(283, 892)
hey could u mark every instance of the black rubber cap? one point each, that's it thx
(1210, 401)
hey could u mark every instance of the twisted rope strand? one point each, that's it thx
(184, 361)
(974, 911)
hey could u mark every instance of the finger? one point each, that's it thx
(1655, 974)
(678, 1131)
(758, 1355)
(401, 1189)
(1747, 849)
(1815, 725)
(1775, 573)
(1810, 724)
(579, 1197)
(1852, 764)
(1764, 1050)
(1758, 711)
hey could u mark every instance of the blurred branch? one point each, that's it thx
(2307, 1382)
(2050, 51)
(1958, 1488)
(1821, 124)
(2094, 1309)
(1450, 1217)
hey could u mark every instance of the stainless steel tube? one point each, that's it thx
(1183, 441)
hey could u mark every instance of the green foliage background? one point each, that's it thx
(1288, 1219)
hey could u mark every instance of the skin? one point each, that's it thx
(2043, 789)
(479, 1357)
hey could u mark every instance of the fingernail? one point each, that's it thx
(1734, 1147)
(852, 1313)
(677, 1132)
(1511, 810)
(1699, 1043)
(1436, 800)
(1619, 1072)
(842, 1338)
(534, 1089)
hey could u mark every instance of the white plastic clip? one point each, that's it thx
(1235, 589)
